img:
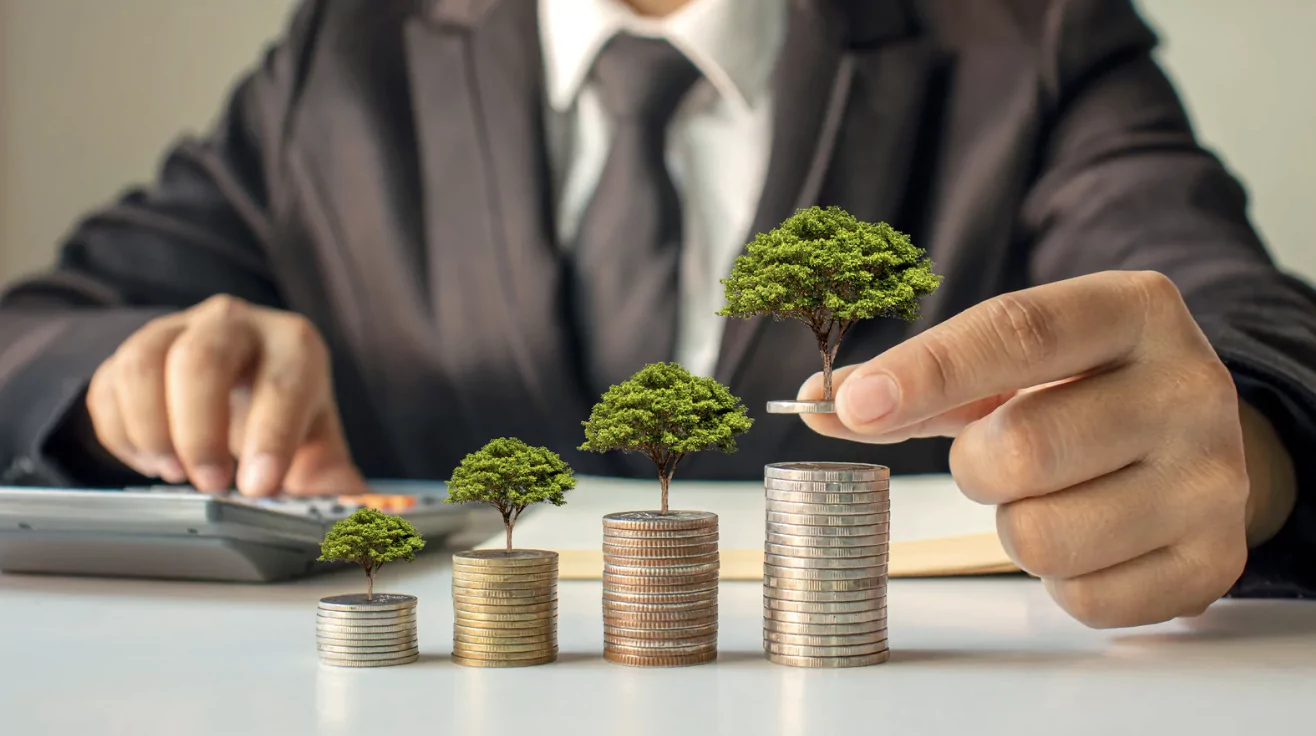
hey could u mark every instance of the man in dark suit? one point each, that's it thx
(424, 223)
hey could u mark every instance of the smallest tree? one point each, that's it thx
(829, 270)
(666, 413)
(371, 538)
(510, 475)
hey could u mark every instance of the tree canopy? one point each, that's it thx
(371, 538)
(829, 270)
(665, 413)
(510, 475)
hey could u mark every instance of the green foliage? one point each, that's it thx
(824, 266)
(510, 475)
(371, 538)
(665, 412)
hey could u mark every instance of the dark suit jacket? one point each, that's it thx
(383, 172)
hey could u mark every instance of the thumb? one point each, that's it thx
(322, 465)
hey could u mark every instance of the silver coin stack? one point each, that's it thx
(825, 564)
(353, 631)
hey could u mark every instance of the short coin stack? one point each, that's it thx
(660, 574)
(825, 564)
(353, 631)
(504, 605)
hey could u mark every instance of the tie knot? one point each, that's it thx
(642, 78)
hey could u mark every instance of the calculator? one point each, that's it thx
(177, 532)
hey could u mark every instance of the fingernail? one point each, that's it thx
(259, 474)
(210, 477)
(871, 397)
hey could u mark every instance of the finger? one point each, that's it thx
(1169, 582)
(140, 387)
(1103, 522)
(322, 465)
(107, 421)
(1045, 440)
(290, 387)
(1011, 342)
(202, 367)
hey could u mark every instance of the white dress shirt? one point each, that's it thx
(717, 143)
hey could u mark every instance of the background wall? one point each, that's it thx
(91, 91)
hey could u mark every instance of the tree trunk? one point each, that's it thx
(664, 479)
(508, 524)
(827, 370)
(370, 585)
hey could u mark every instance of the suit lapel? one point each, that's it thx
(493, 270)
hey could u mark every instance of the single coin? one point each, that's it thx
(613, 621)
(367, 615)
(654, 647)
(656, 520)
(824, 585)
(794, 650)
(543, 639)
(816, 607)
(794, 617)
(657, 543)
(478, 608)
(366, 624)
(829, 509)
(660, 552)
(358, 602)
(827, 563)
(642, 638)
(823, 640)
(499, 591)
(817, 487)
(465, 615)
(352, 649)
(825, 662)
(832, 520)
(826, 553)
(509, 656)
(657, 593)
(645, 660)
(395, 643)
(503, 631)
(693, 632)
(701, 568)
(365, 635)
(331, 629)
(673, 583)
(814, 573)
(336, 657)
(462, 572)
(818, 542)
(372, 663)
(460, 646)
(505, 558)
(702, 562)
(861, 534)
(827, 471)
(480, 600)
(493, 577)
(473, 587)
(774, 495)
(625, 607)
(823, 596)
(622, 535)
(645, 618)
(545, 621)
(546, 659)
(787, 627)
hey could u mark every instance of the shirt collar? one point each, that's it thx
(734, 43)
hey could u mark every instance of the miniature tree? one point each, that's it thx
(665, 413)
(510, 475)
(829, 270)
(371, 538)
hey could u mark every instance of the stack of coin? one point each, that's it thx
(660, 576)
(504, 605)
(825, 564)
(353, 631)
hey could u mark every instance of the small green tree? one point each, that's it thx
(665, 412)
(510, 475)
(828, 270)
(371, 538)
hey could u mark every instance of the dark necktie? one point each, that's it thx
(628, 250)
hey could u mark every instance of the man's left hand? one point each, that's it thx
(1094, 413)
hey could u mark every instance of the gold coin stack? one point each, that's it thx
(504, 606)
(356, 631)
(825, 564)
(660, 574)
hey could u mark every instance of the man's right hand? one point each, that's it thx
(190, 392)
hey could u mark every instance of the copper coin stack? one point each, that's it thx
(356, 631)
(660, 574)
(504, 607)
(825, 564)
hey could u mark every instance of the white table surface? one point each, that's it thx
(969, 656)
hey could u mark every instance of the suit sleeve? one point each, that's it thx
(1124, 185)
(203, 227)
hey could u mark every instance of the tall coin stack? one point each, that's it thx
(660, 574)
(825, 564)
(352, 631)
(504, 606)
